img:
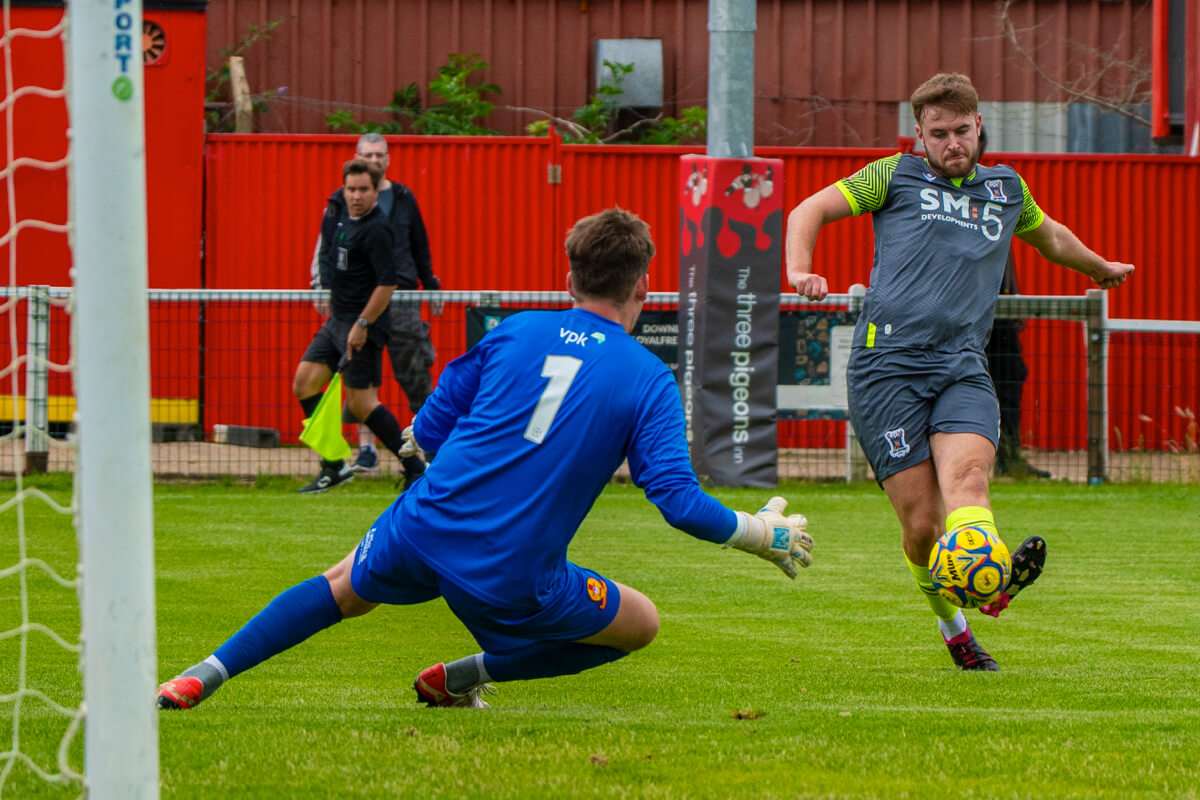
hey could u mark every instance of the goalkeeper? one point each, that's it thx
(528, 426)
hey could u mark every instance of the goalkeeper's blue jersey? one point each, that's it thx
(529, 426)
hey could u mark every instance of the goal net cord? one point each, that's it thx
(14, 702)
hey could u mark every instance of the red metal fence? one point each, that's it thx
(498, 209)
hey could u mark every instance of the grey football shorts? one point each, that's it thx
(899, 397)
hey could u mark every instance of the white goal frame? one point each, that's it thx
(114, 489)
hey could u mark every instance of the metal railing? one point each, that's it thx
(222, 360)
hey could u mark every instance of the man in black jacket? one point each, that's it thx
(410, 348)
(357, 262)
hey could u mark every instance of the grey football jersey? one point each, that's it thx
(940, 250)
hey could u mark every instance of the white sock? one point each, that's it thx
(954, 627)
(215, 662)
(210, 672)
(483, 673)
(465, 674)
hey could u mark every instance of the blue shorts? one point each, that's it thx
(387, 569)
(899, 397)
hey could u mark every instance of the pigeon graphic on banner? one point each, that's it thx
(754, 187)
(697, 183)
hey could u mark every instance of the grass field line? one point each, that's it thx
(1158, 714)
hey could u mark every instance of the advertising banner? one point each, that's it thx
(731, 257)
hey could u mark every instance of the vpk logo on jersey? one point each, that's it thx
(897, 447)
(599, 337)
(573, 337)
(995, 190)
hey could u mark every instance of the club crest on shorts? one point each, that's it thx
(598, 591)
(897, 447)
(995, 190)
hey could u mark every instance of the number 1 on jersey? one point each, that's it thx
(561, 372)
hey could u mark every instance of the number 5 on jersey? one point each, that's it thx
(561, 372)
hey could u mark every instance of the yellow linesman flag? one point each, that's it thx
(323, 430)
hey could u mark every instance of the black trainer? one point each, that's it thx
(332, 473)
(968, 655)
(1028, 562)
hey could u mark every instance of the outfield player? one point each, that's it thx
(921, 402)
(528, 426)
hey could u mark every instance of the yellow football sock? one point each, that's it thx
(977, 516)
(941, 607)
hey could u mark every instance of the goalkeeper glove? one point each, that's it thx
(768, 534)
(410, 446)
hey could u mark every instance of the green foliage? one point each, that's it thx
(691, 127)
(601, 111)
(835, 685)
(599, 122)
(461, 107)
(216, 81)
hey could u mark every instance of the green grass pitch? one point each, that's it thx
(835, 685)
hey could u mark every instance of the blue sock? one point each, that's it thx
(548, 659)
(288, 620)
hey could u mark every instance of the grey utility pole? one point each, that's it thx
(731, 26)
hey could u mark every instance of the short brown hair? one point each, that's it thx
(949, 90)
(608, 253)
(360, 166)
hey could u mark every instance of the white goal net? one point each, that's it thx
(76, 552)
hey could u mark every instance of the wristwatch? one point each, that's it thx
(362, 322)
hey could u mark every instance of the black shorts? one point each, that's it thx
(899, 397)
(362, 371)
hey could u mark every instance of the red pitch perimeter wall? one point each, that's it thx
(36, 129)
(497, 215)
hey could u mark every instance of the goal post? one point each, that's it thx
(112, 373)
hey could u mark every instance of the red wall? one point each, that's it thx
(38, 132)
(174, 105)
(175, 151)
(827, 73)
(496, 223)
(485, 202)
(174, 89)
